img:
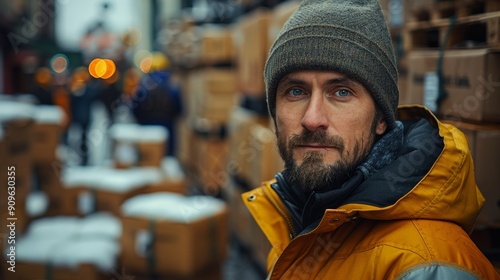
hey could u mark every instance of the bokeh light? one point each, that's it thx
(59, 63)
(132, 36)
(102, 68)
(143, 60)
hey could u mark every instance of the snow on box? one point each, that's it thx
(39, 248)
(12, 110)
(70, 241)
(138, 133)
(48, 114)
(103, 224)
(172, 168)
(61, 226)
(106, 178)
(173, 207)
(101, 252)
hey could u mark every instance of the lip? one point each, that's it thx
(315, 147)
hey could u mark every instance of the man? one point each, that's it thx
(368, 192)
(158, 100)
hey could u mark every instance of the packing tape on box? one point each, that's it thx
(442, 94)
(151, 256)
(212, 232)
(48, 271)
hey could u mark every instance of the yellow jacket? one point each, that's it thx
(423, 235)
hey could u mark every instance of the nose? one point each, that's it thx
(315, 116)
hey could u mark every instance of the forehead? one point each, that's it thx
(322, 76)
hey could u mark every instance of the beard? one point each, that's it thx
(314, 175)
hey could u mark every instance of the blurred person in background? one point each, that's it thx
(110, 93)
(43, 86)
(158, 99)
(369, 191)
(83, 92)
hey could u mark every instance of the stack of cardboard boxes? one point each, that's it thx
(76, 195)
(451, 60)
(453, 68)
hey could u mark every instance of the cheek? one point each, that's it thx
(286, 123)
(355, 130)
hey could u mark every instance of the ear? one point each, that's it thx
(381, 126)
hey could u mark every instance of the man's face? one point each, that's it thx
(326, 126)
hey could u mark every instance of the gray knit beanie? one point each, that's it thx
(346, 36)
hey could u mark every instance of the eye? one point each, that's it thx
(295, 92)
(342, 93)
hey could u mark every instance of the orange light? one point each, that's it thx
(92, 67)
(146, 64)
(43, 76)
(102, 68)
(110, 69)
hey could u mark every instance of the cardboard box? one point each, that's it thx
(212, 94)
(279, 15)
(267, 160)
(45, 141)
(418, 10)
(211, 165)
(142, 154)
(136, 145)
(166, 185)
(20, 218)
(180, 249)
(404, 96)
(90, 189)
(16, 142)
(186, 148)
(47, 130)
(241, 150)
(252, 48)
(215, 273)
(244, 226)
(483, 142)
(216, 45)
(30, 271)
(48, 181)
(469, 79)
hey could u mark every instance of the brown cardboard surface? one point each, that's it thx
(69, 203)
(267, 160)
(149, 154)
(45, 140)
(165, 185)
(17, 148)
(252, 48)
(34, 271)
(216, 45)
(244, 226)
(211, 164)
(471, 81)
(242, 151)
(179, 249)
(279, 15)
(404, 97)
(186, 148)
(212, 94)
(48, 180)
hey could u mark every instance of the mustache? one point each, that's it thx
(316, 137)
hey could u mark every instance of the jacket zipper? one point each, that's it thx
(282, 212)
